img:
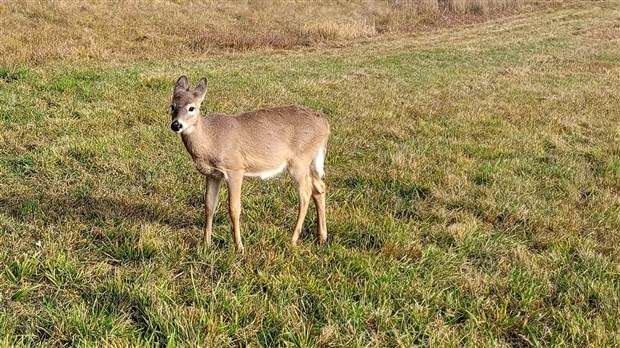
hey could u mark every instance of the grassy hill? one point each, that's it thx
(473, 182)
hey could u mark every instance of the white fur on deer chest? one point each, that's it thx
(266, 174)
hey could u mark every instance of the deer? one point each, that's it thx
(261, 143)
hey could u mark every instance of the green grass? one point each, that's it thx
(473, 181)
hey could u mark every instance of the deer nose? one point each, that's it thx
(176, 126)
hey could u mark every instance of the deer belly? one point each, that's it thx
(266, 174)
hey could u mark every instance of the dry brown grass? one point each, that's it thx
(474, 178)
(37, 32)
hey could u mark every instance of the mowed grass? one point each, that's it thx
(473, 196)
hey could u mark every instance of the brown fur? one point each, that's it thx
(228, 147)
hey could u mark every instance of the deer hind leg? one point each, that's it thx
(234, 205)
(211, 195)
(318, 191)
(318, 195)
(304, 189)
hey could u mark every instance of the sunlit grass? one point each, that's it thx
(473, 181)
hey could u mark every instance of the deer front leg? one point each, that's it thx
(234, 205)
(304, 190)
(211, 194)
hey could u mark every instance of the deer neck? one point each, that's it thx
(199, 140)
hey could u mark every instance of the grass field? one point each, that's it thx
(473, 183)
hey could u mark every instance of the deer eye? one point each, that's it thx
(191, 108)
(172, 107)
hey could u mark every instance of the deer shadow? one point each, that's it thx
(112, 221)
(92, 210)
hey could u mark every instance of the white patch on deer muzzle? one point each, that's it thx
(184, 128)
(187, 130)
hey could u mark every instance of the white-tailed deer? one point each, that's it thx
(259, 143)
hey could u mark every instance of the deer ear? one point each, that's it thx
(182, 83)
(201, 89)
